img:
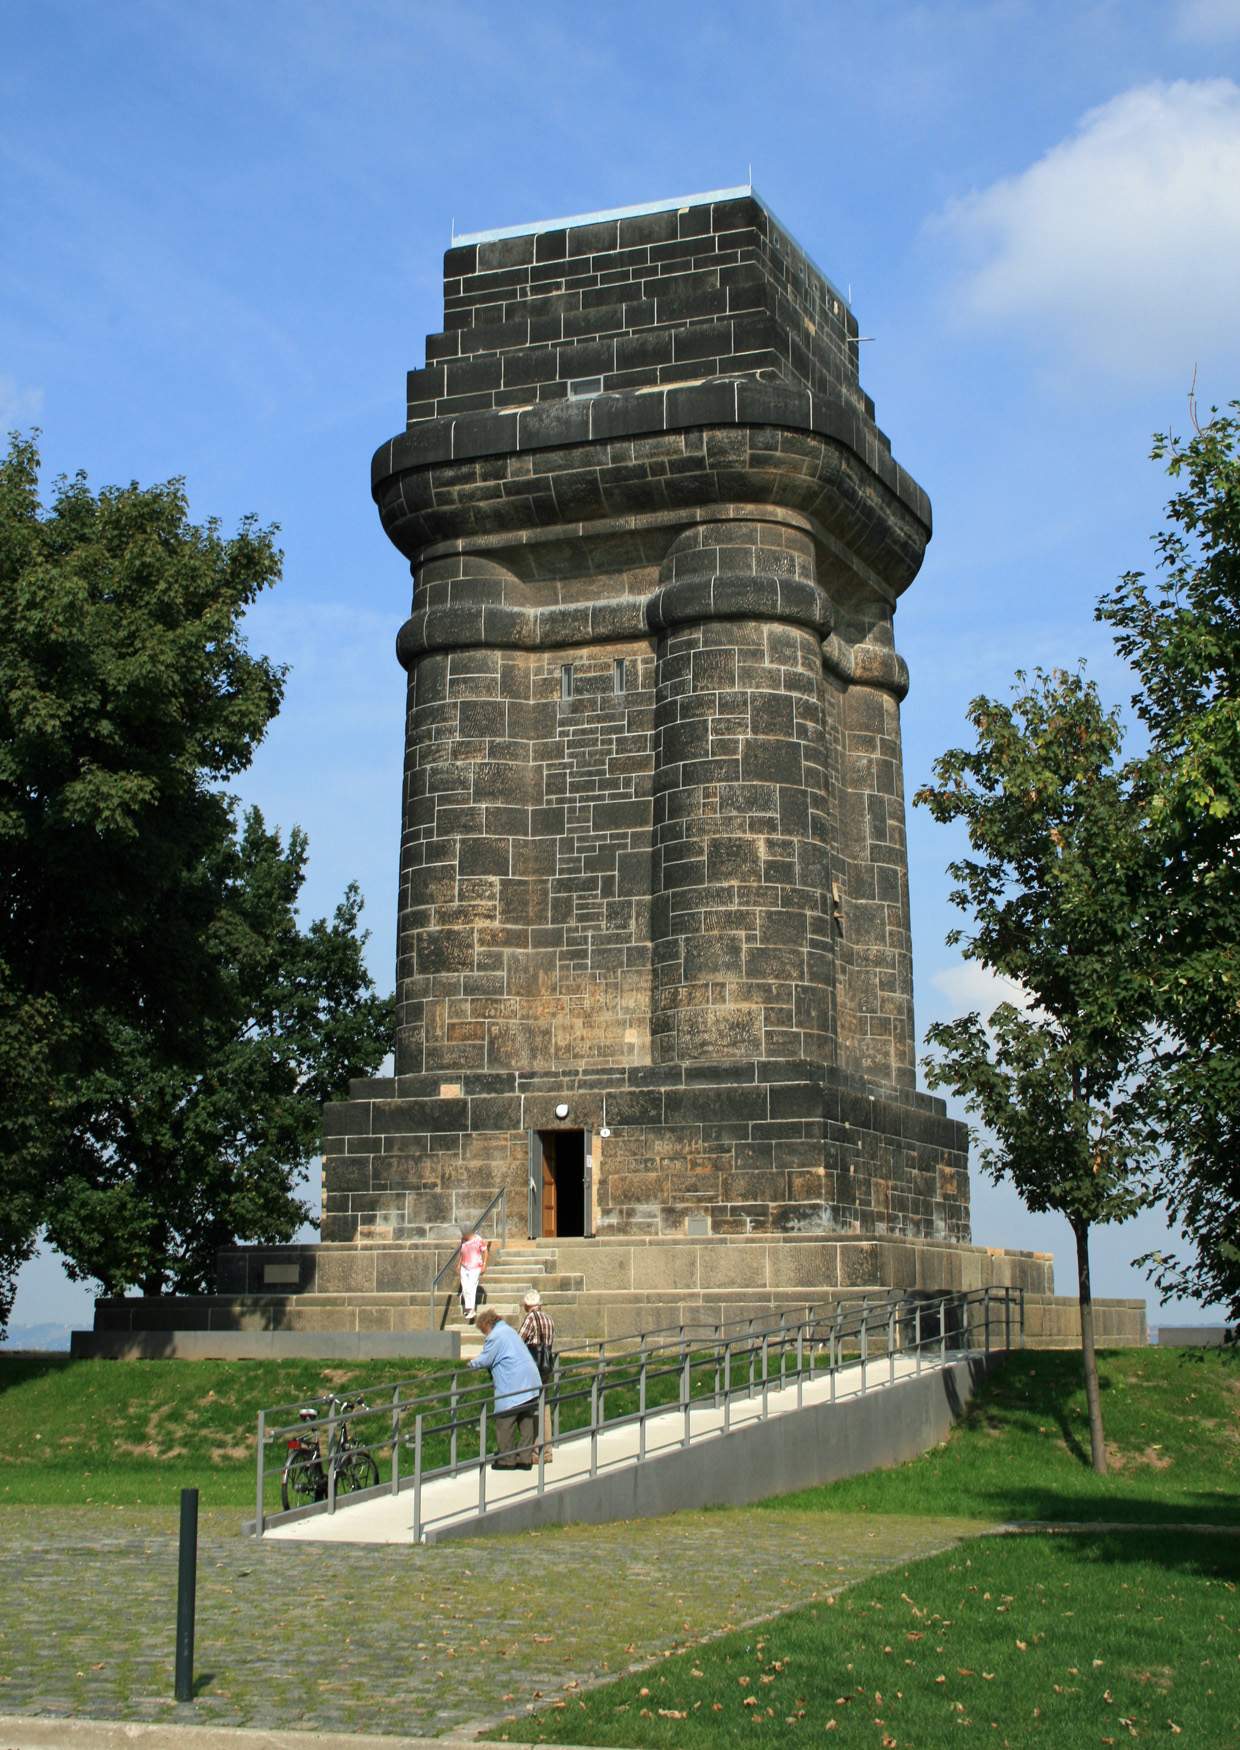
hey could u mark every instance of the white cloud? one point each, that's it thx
(1208, 21)
(18, 405)
(969, 986)
(1119, 249)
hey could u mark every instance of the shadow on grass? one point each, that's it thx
(1183, 1551)
(17, 1368)
(1198, 1507)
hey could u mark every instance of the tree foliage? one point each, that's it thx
(171, 1160)
(1057, 891)
(128, 698)
(1180, 630)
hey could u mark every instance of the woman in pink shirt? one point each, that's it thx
(473, 1263)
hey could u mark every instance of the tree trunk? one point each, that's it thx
(1089, 1355)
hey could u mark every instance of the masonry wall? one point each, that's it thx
(653, 859)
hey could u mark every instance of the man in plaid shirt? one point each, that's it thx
(538, 1331)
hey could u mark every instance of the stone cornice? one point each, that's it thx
(725, 401)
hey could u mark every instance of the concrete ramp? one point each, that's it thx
(712, 1454)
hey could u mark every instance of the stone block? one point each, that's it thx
(811, 1265)
(673, 1268)
(345, 1273)
(733, 1266)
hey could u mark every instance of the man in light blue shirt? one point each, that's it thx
(517, 1384)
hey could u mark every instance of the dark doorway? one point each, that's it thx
(563, 1183)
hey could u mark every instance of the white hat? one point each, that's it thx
(532, 1298)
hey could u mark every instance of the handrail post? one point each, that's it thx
(727, 1386)
(685, 1392)
(261, 1489)
(718, 1336)
(1007, 1320)
(555, 1408)
(454, 1394)
(834, 1352)
(641, 1407)
(800, 1365)
(396, 1440)
(482, 1460)
(943, 1331)
(986, 1319)
(542, 1444)
(917, 1333)
(865, 1341)
(602, 1390)
(766, 1361)
(891, 1345)
(594, 1426)
(751, 1358)
(417, 1478)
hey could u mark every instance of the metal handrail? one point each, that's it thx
(769, 1357)
(501, 1199)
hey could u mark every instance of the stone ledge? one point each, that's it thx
(722, 401)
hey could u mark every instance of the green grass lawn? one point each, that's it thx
(1029, 1640)
(1172, 1419)
(134, 1433)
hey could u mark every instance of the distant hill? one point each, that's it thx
(37, 1337)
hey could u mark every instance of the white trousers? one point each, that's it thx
(469, 1286)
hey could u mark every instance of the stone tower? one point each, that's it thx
(654, 970)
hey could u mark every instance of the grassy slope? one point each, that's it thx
(1172, 1420)
(1037, 1641)
(136, 1432)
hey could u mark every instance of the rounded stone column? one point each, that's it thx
(742, 925)
(877, 1038)
(468, 791)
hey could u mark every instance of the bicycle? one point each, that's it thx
(348, 1464)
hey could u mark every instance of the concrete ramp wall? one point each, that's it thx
(818, 1444)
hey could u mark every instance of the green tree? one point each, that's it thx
(1057, 894)
(1180, 630)
(128, 698)
(170, 1161)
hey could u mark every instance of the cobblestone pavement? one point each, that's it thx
(398, 1640)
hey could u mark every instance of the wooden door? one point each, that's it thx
(548, 1187)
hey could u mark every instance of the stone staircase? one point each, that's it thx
(515, 1267)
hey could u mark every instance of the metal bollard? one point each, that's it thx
(187, 1577)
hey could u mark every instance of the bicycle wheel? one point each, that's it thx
(302, 1482)
(355, 1470)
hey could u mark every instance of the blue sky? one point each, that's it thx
(224, 227)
